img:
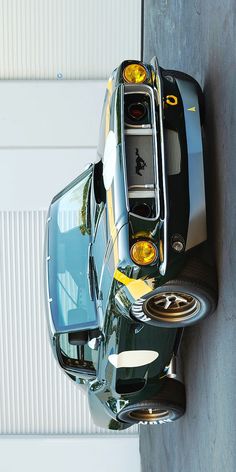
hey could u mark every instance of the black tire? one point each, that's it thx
(181, 302)
(184, 76)
(169, 405)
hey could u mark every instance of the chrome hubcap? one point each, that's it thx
(172, 306)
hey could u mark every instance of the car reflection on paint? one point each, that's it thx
(124, 272)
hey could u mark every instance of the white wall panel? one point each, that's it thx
(77, 39)
(100, 454)
(49, 131)
(44, 144)
(50, 114)
(29, 178)
(36, 397)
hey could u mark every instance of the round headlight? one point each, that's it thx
(137, 111)
(143, 252)
(135, 73)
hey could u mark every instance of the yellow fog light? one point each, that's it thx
(135, 73)
(143, 252)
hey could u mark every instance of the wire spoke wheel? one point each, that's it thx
(180, 302)
(172, 306)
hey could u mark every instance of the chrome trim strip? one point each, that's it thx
(171, 372)
(154, 126)
(139, 131)
(46, 261)
(145, 194)
(154, 63)
(89, 272)
(122, 115)
(142, 187)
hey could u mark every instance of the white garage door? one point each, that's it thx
(48, 133)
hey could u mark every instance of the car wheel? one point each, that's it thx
(180, 302)
(167, 406)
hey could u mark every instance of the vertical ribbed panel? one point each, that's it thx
(76, 38)
(35, 395)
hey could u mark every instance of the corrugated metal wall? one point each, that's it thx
(36, 397)
(73, 38)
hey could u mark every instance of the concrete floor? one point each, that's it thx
(198, 37)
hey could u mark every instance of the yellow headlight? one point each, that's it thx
(135, 73)
(143, 252)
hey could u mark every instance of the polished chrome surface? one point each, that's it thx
(141, 130)
(178, 246)
(141, 187)
(159, 92)
(171, 373)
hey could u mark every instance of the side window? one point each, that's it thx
(81, 359)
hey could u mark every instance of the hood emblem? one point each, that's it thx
(140, 163)
(132, 358)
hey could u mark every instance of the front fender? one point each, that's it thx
(100, 409)
(131, 291)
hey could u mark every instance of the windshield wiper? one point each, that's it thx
(88, 215)
(90, 270)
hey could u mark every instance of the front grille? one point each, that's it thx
(141, 151)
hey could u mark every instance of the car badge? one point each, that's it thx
(140, 163)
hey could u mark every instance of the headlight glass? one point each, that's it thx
(135, 73)
(143, 252)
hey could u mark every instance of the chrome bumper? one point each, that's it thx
(197, 230)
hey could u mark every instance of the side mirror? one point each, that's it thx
(95, 338)
(78, 338)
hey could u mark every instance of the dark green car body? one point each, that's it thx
(92, 281)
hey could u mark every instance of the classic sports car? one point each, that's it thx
(124, 276)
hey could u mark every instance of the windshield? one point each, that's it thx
(68, 242)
